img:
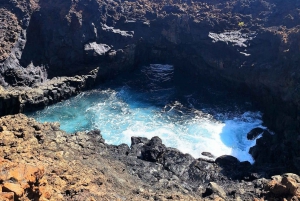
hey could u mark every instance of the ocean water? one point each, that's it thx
(158, 101)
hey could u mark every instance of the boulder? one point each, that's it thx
(215, 188)
(207, 154)
(286, 185)
(153, 150)
(177, 162)
(227, 161)
(138, 140)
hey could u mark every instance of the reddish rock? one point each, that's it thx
(45, 190)
(286, 186)
(16, 188)
(19, 177)
(7, 196)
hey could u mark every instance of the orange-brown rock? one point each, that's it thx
(218, 199)
(19, 178)
(276, 188)
(46, 163)
(39, 161)
(291, 185)
(45, 190)
(7, 196)
(12, 187)
(286, 186)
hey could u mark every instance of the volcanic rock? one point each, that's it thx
(208, 154)
(286, 185)
(248, 46)
(41, 161)
(256, 42)
(254, 133)
(20, 178)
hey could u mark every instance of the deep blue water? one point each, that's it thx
(154, 101)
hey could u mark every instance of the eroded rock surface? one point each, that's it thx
(24, 99)
(41, 162)
(248, 45)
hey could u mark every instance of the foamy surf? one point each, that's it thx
(151, 104)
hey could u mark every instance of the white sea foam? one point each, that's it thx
(190, 135)
(123, 112)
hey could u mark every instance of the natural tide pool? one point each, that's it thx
(154, 101)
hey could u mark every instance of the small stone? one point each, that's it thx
(217, 189)
(208, 154)
(277, 178)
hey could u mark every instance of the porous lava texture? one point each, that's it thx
(41, 162)
(52, 49)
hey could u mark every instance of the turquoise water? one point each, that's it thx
(158, 101)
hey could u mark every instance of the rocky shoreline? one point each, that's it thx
(15, 100)
(41, 162)
(52, 50)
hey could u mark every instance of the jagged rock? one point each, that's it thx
(208, 154)
(15, 100)
(10, 29)
(15, 188)
(254, 133)
(20, 178)
(76, 166)
(261, 151)
(227, 161)
(153, 150)
(259, 41)
(138, 140)
(63, 166)
(215, 188)
(96, 49)
(286, 185)
(96, 135)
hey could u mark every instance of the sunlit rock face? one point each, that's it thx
(47, 163)
(56, 38)
(246, 45)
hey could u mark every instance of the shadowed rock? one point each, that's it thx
(254, 133)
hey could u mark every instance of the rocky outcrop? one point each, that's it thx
(284, 186)
(23, 180)
(246, 45)
(25, 99)
(41, 162)
(161, 166)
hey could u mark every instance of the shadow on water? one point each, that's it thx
(159, 87)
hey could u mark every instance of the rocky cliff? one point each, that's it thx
(51, 50)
